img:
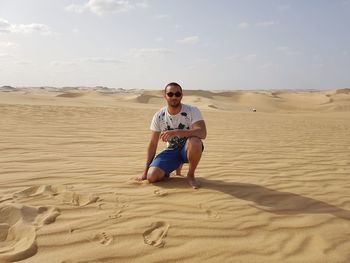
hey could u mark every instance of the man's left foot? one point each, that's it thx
(192, 182)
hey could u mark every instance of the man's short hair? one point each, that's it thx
(172, 84)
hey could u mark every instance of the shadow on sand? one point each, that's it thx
(266, 199)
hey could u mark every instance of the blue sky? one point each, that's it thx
(202, 44)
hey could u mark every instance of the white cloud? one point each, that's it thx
(265, 24)
(243, 25)
(75, 8)
(143, 52)
(8, 45)
(100, 7)
(6, 27)
(31, 28)
(5, 56)
(159, 39)
(22, 62)
(99, 60)
(189, 40)
(77, 62)
(58, 63)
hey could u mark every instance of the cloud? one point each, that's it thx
(189, 40)
(31, 28)
(58, 63)
(243, 25)
(99, 60)
(6, 27)
(22, 62)
(8, 45)
(144, 52)
(265, 24)
(6, 56)
(75, 8)
(101, 7)
(77, 62)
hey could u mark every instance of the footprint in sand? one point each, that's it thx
(116, 214)
(155, 235)
(104, 238)
(76, 199)
(18, 226)
(33, 191)
(158, 192)
(210, 213)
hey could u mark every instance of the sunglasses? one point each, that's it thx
(177, 94)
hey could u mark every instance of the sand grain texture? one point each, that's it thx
(275, 183)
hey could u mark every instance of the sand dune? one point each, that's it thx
(275, 183)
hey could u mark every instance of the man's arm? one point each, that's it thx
(151, 152)
(198, 130)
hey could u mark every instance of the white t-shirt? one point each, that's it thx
(163, 121)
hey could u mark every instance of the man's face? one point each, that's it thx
(173, 96)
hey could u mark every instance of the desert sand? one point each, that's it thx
(275, 183)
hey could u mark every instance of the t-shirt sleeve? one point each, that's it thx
(155, 125)
(196, 115)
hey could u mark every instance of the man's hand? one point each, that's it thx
(167, 135)
(141, 178)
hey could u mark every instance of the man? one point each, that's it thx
(183, 128)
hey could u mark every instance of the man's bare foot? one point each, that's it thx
(192, 182)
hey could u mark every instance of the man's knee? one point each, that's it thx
(194, 143)
(155, 174)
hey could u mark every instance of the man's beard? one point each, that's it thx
(174, 104)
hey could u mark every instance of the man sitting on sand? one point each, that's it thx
(183, 128)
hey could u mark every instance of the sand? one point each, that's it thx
(275, 182)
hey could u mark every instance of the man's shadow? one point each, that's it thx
(266, 199)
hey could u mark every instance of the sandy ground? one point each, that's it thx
(275, 183)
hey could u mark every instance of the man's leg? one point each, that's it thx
(155, 174)
(194, 153)
(178, 170)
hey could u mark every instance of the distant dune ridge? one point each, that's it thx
(264, 101)
(274, 178)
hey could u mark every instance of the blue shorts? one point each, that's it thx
(170, 160)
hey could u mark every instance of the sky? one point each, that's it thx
(201, 44)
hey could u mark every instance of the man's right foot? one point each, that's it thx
(192, 182)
